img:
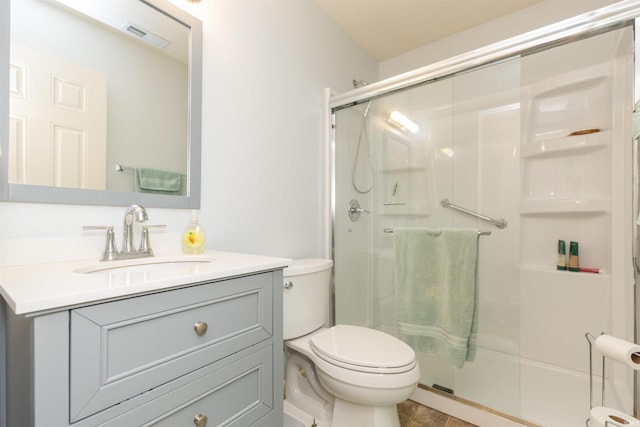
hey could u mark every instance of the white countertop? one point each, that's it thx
(33, 288)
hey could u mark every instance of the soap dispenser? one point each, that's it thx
(193, 239)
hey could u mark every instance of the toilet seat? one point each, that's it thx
(362, 349)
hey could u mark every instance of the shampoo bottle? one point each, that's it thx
(574, 262)
(561, 264)
(193, 238)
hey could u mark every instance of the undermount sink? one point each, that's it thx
(157, 263)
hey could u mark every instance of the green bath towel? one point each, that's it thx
(436, 293)
(157, 181)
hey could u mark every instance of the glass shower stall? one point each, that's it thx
(529, 144)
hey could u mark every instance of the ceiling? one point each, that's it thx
(387, 28)
(138, 21)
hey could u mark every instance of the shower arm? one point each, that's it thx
(500, 223)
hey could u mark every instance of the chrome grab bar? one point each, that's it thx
(500, 223)
(480, 233)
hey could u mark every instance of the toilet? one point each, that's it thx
(340, 376)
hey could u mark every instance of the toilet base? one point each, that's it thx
(352, 399)
(347, 414)
(299, 418)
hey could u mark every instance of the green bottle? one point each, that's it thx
(562, 256)
(574, 264)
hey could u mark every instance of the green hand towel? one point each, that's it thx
(436, 293)
(157, 181)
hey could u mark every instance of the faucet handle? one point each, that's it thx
(145, 244)
(97, 227)
(110, 250)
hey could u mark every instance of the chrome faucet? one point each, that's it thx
(134, 213)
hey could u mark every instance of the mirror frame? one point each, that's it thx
(43, 194)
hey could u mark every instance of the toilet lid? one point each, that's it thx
(363, 349)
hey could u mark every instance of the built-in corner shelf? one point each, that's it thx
(563, 206)
(547, 274)
(414, 210)
(573, 144)
(404, 169)
(566, 178)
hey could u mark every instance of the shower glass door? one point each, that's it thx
(400, 156)
(543, 141)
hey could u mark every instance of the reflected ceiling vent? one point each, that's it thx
(146, 36)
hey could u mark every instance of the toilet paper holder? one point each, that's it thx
(591, 340)
(615, 421)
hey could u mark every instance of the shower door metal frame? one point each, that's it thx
(602, 20)
(636, 205)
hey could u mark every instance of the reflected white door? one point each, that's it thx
(58, 121)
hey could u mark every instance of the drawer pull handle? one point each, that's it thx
(288, 285)
(201, 329)
(200, 420)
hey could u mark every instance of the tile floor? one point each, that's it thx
(413, 414)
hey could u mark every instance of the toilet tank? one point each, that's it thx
(306, 296)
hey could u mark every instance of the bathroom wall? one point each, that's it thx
(266, 65)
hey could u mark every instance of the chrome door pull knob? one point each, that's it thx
(288, 285)
(200, 420)
(200, 328)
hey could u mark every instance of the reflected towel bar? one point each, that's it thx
(480, 233)
(500, 223)
(126, 169)
(121, 168)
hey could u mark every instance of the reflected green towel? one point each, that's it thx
(157, 181)
(436, 292)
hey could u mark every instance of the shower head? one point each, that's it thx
(359, 83)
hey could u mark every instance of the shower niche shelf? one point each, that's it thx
(579, 178)
(404, 169)
(542, 274)
(564, 206)
(566, 145)
(541, 232)
(570, 102)
(417, 210)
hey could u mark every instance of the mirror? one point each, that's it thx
(104, 105)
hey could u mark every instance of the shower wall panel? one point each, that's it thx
(351, 238)
(571, 155)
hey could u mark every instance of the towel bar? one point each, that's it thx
(121, 168)
(127, 169)
(480, 233)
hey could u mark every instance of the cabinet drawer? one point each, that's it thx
(124, 348)
(237, 393)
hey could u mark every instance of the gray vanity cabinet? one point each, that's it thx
(204, 354)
